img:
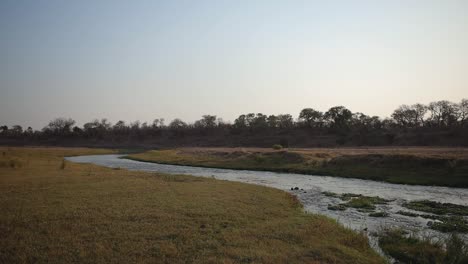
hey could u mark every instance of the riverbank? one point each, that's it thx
(58, 211)
(421, 166)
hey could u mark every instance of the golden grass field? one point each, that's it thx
(55, 211)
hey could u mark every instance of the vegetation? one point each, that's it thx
(62, 212)
(361, 202)
(450, 217)
(410, 249)
(404, 165)
(378, 214)
(277, 147)
(438, 123)
(338, 207)
(406, 213)
(437, 208)
(451, 224)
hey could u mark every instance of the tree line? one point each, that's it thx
(339, 124)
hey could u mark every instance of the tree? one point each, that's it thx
(17, 130)
(97, 128)
(249, 118)
(463, 111)
(240, 122)
(158, 123)
(60, 126)
(363, 125)
(285, 121)
(119, 126)
(135, 125)
(177, 124)
(207, 121)
(272, 121)
(443, 113)
(338, 117)
(90, 127)
(420, 113)
(311, 117)
(77, 130)
(405, 116)
(105, 125)
(221, 122)
(260, 121)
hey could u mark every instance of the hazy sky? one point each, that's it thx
(139, 60)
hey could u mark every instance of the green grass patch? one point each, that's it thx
(331, 194)
(406, 213)
(378, 214)
(361, 202)
(437, 208)
(338, 207)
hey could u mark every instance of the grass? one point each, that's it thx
(451, 224)
(361, 202)
(425, 166)
(450, 217)
(406, 213)
(410, 249)
(437, 208)
(378, 214)
(55, 211)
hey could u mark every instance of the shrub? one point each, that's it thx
(410, 249)
(277, 147)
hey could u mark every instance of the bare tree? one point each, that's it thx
(60, 125)
(443, 113)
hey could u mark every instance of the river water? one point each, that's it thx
(311, 190)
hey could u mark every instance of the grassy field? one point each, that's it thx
(55, 211)
(426, 166)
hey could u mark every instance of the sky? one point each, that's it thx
(141, 60)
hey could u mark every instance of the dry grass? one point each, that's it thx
(61, 212)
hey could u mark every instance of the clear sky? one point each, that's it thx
(140, 60)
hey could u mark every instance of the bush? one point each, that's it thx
(410, 249)
(277, 147)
